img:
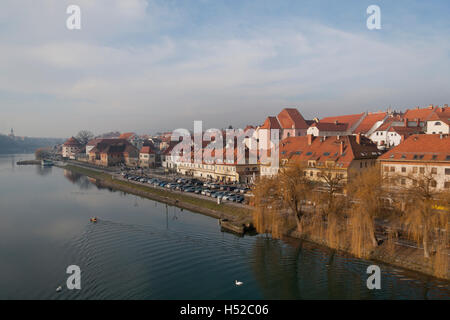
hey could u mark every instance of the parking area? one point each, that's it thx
(209, 190)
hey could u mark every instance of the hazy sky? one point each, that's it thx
(149, 65)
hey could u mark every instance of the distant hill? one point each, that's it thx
(25, 145)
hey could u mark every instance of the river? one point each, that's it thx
(142, 249)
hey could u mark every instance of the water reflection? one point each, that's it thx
(43, 171)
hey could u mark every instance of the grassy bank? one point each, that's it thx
(236, 214)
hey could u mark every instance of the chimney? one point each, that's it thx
(310, 139)
(406, 122)
(358, 138)
(418, 122)
(341, 148)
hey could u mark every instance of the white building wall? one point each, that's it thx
(437, 127)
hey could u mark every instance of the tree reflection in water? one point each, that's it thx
(81, 180)
(274, 262)
(43, 171)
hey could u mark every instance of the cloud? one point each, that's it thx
(134, 66)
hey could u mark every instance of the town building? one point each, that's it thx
(147, 157)
(327, 129)
(351, 120)
(111, 152)
(393, 131)
(439, 121)
(289, 122)
(420, 155)
(343, 156)
(71, 148)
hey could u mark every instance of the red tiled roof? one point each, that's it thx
(291, 118)
(441, 114)
(271, 123)
(351, 119)
(369, 121)
(421, 147)
(328, 149)
(126, 135)
(147, 149)
(422, 114)
(72, 142)
(407, 131)
(330, 126)
(96, 141)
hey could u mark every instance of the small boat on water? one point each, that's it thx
(94, 219)
(47, 163)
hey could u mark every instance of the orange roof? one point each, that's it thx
(331, 126)
(291, 118)
(72, 142)
(271, 123)
(407, 131)
(146, 149)
(442, 114)
(328, 149)
(126, 135)
(369, 121)
(351, 119)
(421, 147)
(422, 114)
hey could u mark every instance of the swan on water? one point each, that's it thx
(58, 289)
(238, 283)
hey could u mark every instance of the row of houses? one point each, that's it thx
(108, 152)
(344, 145)
(404, 142)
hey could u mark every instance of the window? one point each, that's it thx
(433, 183)
(422, 170)
(414, 169)
(437, 123)
(433, 170)
(386, 169)
(392, 169)
(447, 185)
(403, 156)
(403, 169)
(403, 181)
(447, 171)
(434, 156)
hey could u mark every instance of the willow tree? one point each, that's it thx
(282, 197)
(367, 192)
(423, 218)
(332, 181)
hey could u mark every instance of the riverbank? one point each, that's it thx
(234, 219)
(409, 257)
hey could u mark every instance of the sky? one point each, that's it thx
(151, 65)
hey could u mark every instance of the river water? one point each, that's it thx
(142, 249)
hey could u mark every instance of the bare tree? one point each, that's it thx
(84, 136)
